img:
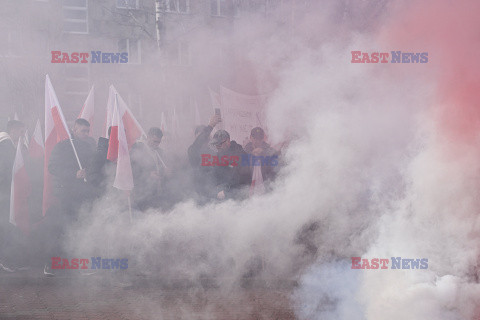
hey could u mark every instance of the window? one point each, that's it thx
(180, 53)
(75, 16)
(132, 47)
(177, 6)
(221, 8)
(128, 4)
(246, 7)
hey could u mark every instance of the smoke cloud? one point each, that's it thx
(382, 162)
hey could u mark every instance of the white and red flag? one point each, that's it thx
(20, 193)
(133, 130)
(257, 186)
(36, 146)
(56, 130)
(118, 152)
(88, 109)
(25, 139)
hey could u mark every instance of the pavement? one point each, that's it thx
(29, 295)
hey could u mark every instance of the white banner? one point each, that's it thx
(241, 113)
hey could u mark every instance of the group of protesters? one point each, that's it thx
(157, 178)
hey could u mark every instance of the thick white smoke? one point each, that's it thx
(365, 176)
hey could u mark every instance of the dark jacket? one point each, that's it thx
(269, 170)
(203, 179)
(232, 179)
(63, 166)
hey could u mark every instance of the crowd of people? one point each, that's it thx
(159, 180)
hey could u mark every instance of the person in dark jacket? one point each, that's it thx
(149, 170)
(202, 175)
(101, 172)
(230, 180)
(70, 183)
(257, 147)
(8, 145)
(70, 186)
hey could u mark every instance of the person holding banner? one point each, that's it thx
(202, 175)
(257, 147)
(230, 180)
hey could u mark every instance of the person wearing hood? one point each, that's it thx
(230, 180)
(8, 146)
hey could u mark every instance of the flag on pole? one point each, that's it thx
(118, 151)
(88, 109)
(25, 139)
(15, 116)
(133, 130)
(36, 145)
(257, 186)
(20, 193)
(56, 130)
(163, 123)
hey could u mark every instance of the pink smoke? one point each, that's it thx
(449, 32)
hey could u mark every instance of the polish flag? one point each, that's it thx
(20, 192)
(56, 130)
(163, 123)
(257, 186)
(88, 109)
(118, 151)
(133, 130)
(36, 146)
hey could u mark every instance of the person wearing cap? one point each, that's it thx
(258, 147)
(149, 170)
(230, 179)
(202, 175)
